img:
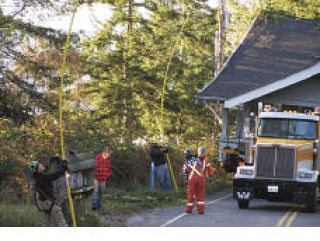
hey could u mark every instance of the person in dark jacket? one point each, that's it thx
(45, 198)
(157, 155)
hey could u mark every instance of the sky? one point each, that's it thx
(85, 15)
(83, 19)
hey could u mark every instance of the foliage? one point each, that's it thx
(130, 59)
(17, 146)
(308, 9)
(242, 15)
(22, 73)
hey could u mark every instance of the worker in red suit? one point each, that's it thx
(198, 169)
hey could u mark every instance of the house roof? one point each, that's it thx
(271, 51)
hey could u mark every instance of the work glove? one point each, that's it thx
(164, 149)
(65, 165)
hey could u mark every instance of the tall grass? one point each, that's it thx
(19, 215)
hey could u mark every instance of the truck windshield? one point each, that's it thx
(288, 129)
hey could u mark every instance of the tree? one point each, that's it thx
(21, 45)
(242, 15)
(27, 115)
(132, 57)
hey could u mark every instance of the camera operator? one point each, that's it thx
(157, 156)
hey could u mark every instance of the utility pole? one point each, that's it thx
(222, 34)
(216, 53)
(219, 54)
(220, 37)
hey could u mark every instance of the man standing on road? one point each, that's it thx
(101, 174)
(157, 155)
(198, 168)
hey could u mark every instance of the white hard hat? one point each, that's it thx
(202, 149)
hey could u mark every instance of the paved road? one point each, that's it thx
(222, 211)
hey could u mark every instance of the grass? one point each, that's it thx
(19, 215)
(127, 203)
(23, 215)
(119, 203)
(91, 220)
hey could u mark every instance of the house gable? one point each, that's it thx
(273, 52)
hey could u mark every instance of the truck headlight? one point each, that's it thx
(305, 175)
(246, 172)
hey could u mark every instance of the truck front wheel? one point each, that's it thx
(311, 207)
(243, 204)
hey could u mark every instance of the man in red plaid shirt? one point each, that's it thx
(101, 175)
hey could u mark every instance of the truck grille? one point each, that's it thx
(275, 161)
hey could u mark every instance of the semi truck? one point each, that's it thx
(283, 160)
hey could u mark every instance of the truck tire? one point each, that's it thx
(243, 204)
(311, 207)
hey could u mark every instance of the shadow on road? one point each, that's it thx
(276, 207)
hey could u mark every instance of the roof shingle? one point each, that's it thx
(272, 50)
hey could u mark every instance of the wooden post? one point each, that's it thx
(240, 121)
(222, 32)
(225, 123)
(216, 53)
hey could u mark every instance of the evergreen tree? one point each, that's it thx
(242, 15)
(21, 71)
(132, 58)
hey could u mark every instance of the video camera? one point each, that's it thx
(188, 155)
(157, 151)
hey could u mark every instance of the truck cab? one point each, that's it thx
(284, 159)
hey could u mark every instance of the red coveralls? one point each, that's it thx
(197, 170)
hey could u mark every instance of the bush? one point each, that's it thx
(131, 166)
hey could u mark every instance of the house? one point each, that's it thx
(277, 62)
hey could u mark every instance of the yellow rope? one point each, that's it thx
(62, 72)
(172, 174)
(163, 94)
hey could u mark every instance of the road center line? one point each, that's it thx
(291, 215)
(184, 214)
(291, 219)
(279, 224)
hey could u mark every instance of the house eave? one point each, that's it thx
(278, 85)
